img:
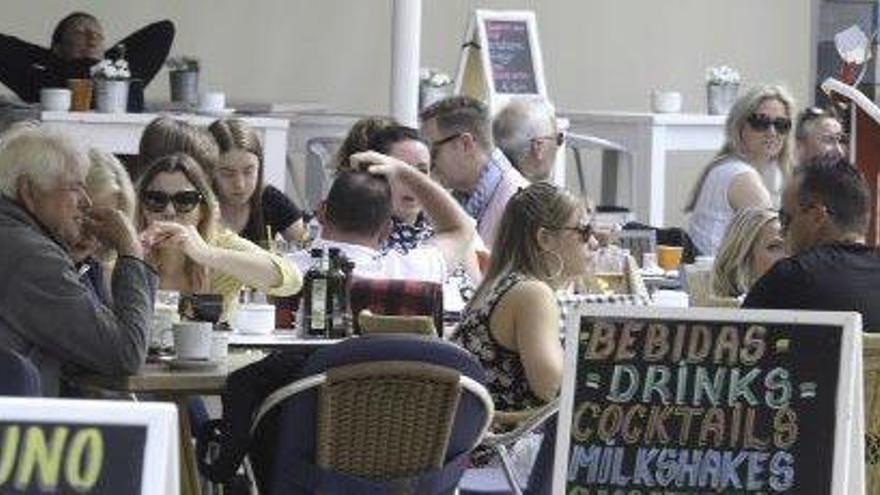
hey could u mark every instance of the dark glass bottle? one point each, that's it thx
(340, 313)
(316, 297)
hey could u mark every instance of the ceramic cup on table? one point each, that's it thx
(55, 99)
(253, 318)
(665, 101)
(212, 102)
(193, 340)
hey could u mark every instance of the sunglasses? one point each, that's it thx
(559, 137)
(761, 122)
(585, 231)
(184, 201)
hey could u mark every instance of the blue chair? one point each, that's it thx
(375, 414)
(18, 376)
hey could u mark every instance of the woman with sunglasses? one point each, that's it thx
(749, 169)
(512, 324)
(179, 219)
(253, 210)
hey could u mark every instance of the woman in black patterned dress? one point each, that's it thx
(512, 323)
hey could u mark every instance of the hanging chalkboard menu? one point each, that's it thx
(510, 54)
(76, 446)
(728, 401)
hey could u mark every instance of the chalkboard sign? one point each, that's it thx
(67, 446)
(698, 401)
(501, 58)
(510, 53)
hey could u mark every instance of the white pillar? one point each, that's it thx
(405, 48)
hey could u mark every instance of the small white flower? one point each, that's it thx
(722, 75)
(108, 69)
(434, 78)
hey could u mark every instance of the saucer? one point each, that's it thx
(192, 364)
(223, 112)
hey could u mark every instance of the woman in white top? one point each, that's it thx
(749, 169)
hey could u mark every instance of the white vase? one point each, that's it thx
(111, 96)
(721, 97)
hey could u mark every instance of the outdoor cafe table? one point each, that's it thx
(178, 386)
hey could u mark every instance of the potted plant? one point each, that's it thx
(722, 86)
(111, 78)
(183, 73)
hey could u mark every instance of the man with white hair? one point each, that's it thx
(47, 313)
(527, 133)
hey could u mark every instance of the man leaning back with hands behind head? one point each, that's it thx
(47, 313)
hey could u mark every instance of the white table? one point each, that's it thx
(278, 339)
(649, 137)
(121, 133)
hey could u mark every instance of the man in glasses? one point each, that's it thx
(527, 133)
(465, 159)
(818, 132)
(824, 217)
(47, 313)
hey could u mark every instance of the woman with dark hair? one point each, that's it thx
(179, 218)
(78, 43)
(253, 210)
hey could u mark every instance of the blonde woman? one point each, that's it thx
(180, 222)
(512, 323)
(749, 169)
(249, 208)
(751, 246)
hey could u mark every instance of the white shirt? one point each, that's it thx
(713, 212)
(424, 263)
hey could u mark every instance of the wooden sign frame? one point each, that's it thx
(475, 77)
(161, 458)
(848, 460)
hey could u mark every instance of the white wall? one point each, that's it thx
(599, 54)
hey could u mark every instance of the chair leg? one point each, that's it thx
(508, 469)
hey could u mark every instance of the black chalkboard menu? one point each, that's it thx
(37, 458)
(666, 405)
(510, 55)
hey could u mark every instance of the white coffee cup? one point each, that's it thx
(55, 99)
(212, 101)
(665, 101)
(254, 318)
(193, 339)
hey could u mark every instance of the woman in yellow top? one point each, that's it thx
(180, 222)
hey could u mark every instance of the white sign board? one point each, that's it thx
(663, 400)
(88, 446)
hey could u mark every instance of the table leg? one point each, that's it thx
(189, 468)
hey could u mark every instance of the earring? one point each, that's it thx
(560, 266)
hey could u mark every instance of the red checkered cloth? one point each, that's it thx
(397, 298)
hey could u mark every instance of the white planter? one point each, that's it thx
(721, 97)
(111, 96)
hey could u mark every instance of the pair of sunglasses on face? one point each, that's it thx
(184, 201)
(761, 122)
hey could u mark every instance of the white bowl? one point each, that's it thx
(665, 101)
(254, 319)
(55, 99)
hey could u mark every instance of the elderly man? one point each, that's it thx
(526, 132)
(47, 312)
(818, 133)
(465, 159)
(824, 216)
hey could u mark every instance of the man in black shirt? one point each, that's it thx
(824, 216)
